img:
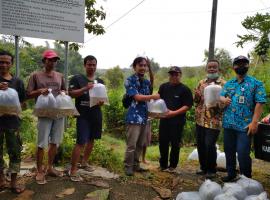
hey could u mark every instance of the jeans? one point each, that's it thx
(240, 142)
(206, 144)
(169, 134)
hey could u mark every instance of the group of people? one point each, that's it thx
(50, 131)
(238, 112)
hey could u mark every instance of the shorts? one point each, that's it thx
(50, 131)
(88, 130)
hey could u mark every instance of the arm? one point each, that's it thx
(140, 97)
(197, 94)
(74, 93)
(180, 111)
(253, 126)
(32, 92)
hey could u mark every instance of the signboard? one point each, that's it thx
(48, 19)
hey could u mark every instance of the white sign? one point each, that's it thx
(48, 19)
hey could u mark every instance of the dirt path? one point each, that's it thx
(139, 187)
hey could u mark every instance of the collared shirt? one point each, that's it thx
(244, 96)
(137, 112)
(207, 117)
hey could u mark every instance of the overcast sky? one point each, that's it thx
(173, 32)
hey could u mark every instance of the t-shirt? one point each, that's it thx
(54, 81)
(175, 97)
(11, 121)
(82, 103)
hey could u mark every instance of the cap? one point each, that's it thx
(50, 54)
(175, 69)
(242, 58)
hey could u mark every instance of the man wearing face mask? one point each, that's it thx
(244, 97)
(208, 122)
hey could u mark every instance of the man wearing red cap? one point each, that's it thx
(50, 131)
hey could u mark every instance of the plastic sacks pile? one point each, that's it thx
(97, 94)
(9, 102)
(51, 107)
(221, 159)
(244, 189)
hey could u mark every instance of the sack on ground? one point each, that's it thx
(46, 106)
(65, 106)
(235, 190)
(209, 190)
(9, 102)
(262, 196)
(251, 186)
(225, 196)
(188, 196)
(193, 155)
(97, 94)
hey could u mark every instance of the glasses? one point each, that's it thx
(52, 59)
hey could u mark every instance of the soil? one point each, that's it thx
(139, 187)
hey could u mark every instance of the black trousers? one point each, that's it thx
(206, 145)
(169, 134)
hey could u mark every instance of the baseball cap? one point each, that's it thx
(175, 69)
(50, 54)
(242, 58)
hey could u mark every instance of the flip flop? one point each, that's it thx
(75, 177)
(18, 189)
(41, 181)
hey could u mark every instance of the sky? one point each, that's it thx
(172, 32)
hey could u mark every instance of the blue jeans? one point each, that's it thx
(240, 142)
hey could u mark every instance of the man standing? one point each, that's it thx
(50, 131)
(244, 97)
(89, 123)
(208, 122)
(9, 125)
(179, 100)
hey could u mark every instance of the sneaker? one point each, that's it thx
(129, 171)
(210, 175)
(229, 179)
(162, 169)
(200, 172)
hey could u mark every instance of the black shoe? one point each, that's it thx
(129, 171)
(140, 169)
(229, 179)
(162, 168)
(200, 172)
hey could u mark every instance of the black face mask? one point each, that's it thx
(241, 70)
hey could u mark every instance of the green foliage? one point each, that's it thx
(114, 114)
(114, 78)
(28, 126)
(258, 27)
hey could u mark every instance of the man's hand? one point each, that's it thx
(100, 103)
(43, 91)
(226, 100)
(155, 96)
(169, 114)
(252, 128)
(3, 86)
(88, 86)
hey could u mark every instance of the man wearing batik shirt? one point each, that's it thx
(244, 97)
(208, 122)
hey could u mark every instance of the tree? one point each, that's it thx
(224, 58)
(258, 27)
(114, 78)
(154, 65)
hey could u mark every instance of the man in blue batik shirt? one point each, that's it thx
(244, 97)
(138, 88)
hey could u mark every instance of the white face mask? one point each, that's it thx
(212, 75)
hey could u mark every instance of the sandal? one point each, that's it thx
(41, 180)
(18, 189)
(87, 167)
(75, 177)
(55, 173)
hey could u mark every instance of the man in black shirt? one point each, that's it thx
(179, 100)
(89, 123)
(9, 125)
